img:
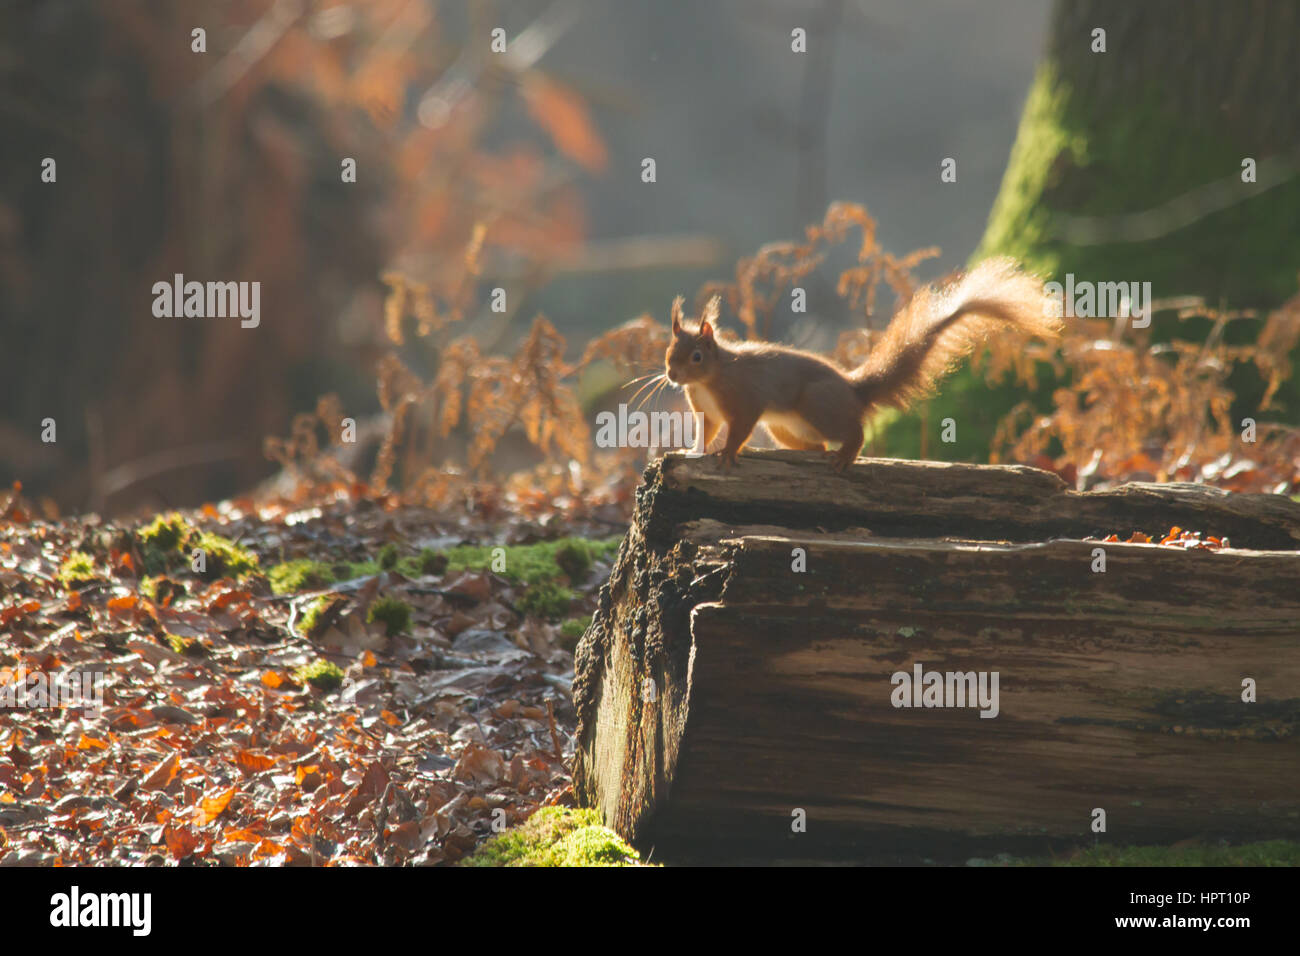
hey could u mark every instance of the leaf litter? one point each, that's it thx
(230, 734)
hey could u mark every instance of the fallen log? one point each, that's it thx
(745, 687)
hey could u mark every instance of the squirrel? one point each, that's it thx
(806, 401)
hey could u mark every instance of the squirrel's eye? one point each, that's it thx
(697, 356)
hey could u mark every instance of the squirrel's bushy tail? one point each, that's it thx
(940, 326)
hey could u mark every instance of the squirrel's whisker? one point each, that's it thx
(646, 397)
(663, 380)
(648, 385)
(633, 398)
(639, 378)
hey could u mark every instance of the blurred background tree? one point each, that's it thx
(227, 165)
(1128, 167)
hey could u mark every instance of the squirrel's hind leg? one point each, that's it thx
(848, 452)
(839, 420)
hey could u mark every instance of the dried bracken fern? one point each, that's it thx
(763, 279)
(301, 452)
(1161, 410)
(529, 391)
(638, 344)
(858, 284)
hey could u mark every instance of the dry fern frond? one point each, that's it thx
(1164, 409)
(638, 344)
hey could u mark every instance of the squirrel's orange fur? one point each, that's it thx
(806, 401)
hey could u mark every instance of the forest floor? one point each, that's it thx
(341, 683)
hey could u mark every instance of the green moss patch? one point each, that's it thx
(301, 574)
(224, 558)
(189, 646)
(571, 631)
(393, 613)
(77, 568)
(167, 541)
(305, 574)
(574, 558)
(556, 836)
(545, 568)
(538, 563)
(547, 599)
(1267, 853)
(161, 589)
(165, 533)
(311, 617)
(320, 673)
(429, 561)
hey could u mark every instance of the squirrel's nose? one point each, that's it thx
(671, 377)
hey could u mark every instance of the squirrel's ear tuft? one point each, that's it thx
(677, 315)
(712, 310)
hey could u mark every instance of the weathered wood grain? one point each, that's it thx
(897, 498)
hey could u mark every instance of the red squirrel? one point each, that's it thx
(805, 401)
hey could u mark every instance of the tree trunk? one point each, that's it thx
(724, 696)
(1128, 163)
(1185, 90)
